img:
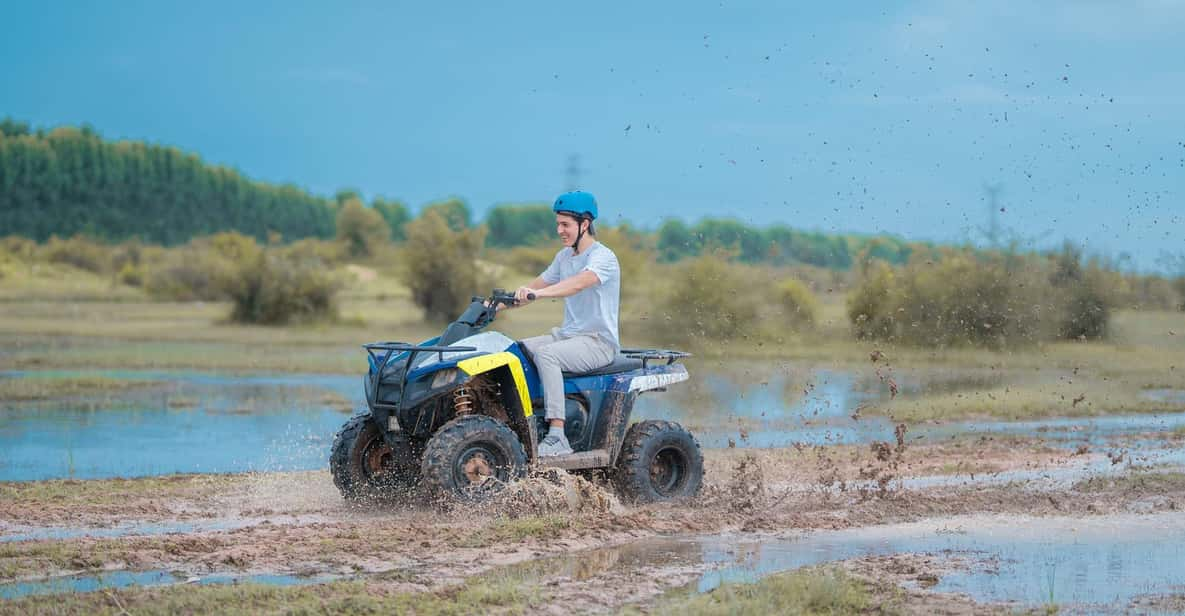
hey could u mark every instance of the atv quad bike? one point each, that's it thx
(457, 414)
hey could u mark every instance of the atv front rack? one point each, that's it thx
(393, 350)
(647, 355)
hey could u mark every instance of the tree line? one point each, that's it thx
(69, 181)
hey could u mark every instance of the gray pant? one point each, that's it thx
(554, 355)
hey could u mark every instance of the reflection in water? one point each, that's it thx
(1032, 561)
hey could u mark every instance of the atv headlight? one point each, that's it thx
(444, 377)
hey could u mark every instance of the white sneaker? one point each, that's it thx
(555, 445)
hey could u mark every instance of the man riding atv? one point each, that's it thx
(455, 414)
(586, 274)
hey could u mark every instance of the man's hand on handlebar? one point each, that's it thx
(524, 295)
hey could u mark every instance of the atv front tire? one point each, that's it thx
(471, 458)
(660, 460)
(364, 464)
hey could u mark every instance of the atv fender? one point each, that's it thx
(507, 369)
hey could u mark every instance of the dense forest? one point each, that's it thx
(67, 181)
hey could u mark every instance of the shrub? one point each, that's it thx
(439, 265)
(195, 271)
(21, 248)
(266, 285)
(274, 288)
(1088, 298)
(962, 299)
(360, 229)
(708, 299)
(798, 304)
(78, 251)
(530, 259)
(327, 252)
(130, 275)
(872, 305)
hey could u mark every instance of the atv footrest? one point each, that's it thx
(595, 458)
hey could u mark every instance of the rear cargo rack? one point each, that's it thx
(393, 350)
(646, 355)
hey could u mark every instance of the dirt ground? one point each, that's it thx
(296, 523)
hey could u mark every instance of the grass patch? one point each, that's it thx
(112, 491)
(49, 387)
(808, 591)
(1059, 398)
(513, 530)
(352, 597)
(1144, 483)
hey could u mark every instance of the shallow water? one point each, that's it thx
(1097, 562)
(199, 423)
(194, 422)
(124, 579)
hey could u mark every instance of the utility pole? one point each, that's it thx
(572, 173)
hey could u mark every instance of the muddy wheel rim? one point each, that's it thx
(376, 459)
(668, 471)
(477, 465)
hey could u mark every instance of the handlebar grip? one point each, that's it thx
(531, 296)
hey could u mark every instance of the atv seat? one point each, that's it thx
(619, 364)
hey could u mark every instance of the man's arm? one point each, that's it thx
(569, 286)
(521, 293)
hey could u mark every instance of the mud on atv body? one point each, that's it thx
(463, 406)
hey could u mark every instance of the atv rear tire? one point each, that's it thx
(659, 460)
(472, 458)
(365, 465)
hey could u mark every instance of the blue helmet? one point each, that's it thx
(577, 202)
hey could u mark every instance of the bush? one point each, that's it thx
(708, 299)
(1088, 296)
(872, 305)
(799, 305)
(330, 253)
(274, 288)
(196, 271)
(20, 248)
(530, 259)
(439, 265)
(266, 285)
(360, 229)
(962, 299)
(78, 251)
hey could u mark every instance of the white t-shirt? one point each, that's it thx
(593, 310)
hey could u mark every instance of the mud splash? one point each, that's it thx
(553, 491)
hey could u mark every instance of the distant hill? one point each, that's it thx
(70, 180)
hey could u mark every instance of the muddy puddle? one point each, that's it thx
(193, 422)
(181, 423)
(1093, 564)
(124, 579)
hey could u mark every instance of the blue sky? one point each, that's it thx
(839, 118)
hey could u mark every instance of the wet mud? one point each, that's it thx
(295, 525)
